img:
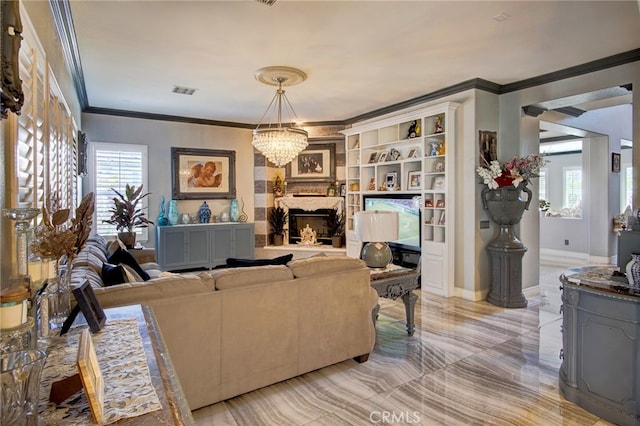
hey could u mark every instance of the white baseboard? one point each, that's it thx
(533, 291)
(471, 295)
(561, 257)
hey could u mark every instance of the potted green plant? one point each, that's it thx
(277, 221)
(335, 227)
(126, 214)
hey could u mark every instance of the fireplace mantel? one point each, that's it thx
(310, 203)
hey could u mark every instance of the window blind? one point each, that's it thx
(572, 187)
(115, 166)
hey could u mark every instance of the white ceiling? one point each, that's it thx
(359, 55)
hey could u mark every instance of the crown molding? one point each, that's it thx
(63, 21)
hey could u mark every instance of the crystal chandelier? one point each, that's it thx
(279, 142)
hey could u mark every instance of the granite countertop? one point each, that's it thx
(605, 278)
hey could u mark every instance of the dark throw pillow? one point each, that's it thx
(123, 256)
(113, 274)
(241, 263)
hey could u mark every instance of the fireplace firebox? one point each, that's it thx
(316, 219)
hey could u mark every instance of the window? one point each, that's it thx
(542, 184)
(572, 187)
(626, 186)
(115, 165)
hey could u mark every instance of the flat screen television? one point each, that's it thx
(408, 208)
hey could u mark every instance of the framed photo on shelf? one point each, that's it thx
(440, 204)
(373, 158)
(203, 173)
(343, 190)
(438, 166)
(394, 155)
(441, 221)
(413, 153)
(382, 157)
(415, 180)
(439, 182)
(615, 162)
(428, 202)
(314, 164)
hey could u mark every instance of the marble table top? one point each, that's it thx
(605, 278)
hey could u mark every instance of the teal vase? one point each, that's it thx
(173, 212)
(234, 212)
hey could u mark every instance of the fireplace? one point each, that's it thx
(316, 219)
(310, 211)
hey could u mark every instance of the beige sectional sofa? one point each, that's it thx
(230, 331)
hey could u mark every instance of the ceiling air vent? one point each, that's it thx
(267, 2)
(183, 90)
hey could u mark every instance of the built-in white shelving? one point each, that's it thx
(410, 153)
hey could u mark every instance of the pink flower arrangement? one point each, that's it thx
(513, 172)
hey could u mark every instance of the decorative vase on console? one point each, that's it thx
(162, 218)
(204, 214)
(234, 214)
(633, 270)
(173, 212)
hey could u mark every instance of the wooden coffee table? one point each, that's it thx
(394, 282)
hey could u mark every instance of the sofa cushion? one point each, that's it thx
(323, 265)
(113, 274)
(242, 277)
(233, 262)
(91, 256)
(146, 291)
(123, 256)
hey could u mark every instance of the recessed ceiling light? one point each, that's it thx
(183, 90)
(501, 17)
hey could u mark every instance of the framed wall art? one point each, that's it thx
(314, 164)
(203, 173)
(488, 147)
(615, 162)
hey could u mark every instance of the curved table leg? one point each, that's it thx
(409, 300)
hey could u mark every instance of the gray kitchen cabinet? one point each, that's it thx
(206, 245)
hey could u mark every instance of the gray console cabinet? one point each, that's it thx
(601, 352)
(206, 245)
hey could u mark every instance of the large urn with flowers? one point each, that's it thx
(506, 207)
(506, 197)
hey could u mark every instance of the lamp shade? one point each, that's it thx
(377, 226)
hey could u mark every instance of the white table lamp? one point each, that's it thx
(376, 229)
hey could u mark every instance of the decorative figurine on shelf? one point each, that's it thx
(437, 125)
(441, 148)
(162, 218)
(308, 236)
(372, 184)
(434, 148)
(204, 214)
(277, 186)
(414, 130)
(243, 215)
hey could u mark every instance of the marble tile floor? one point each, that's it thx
(467, 364)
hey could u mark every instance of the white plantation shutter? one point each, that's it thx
(45, 159)
(30, 146)
(572, 187)
(115, 165)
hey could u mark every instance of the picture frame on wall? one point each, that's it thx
(615, 162)
(203, 173)
(488, 141)
(314, 164)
